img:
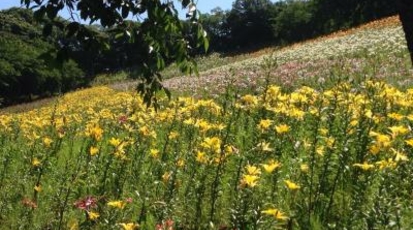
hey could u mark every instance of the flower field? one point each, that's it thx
(332, 154)
(377, 50)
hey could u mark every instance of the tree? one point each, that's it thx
(292, 22)
(161, 34)
(405, 8)
(23, 75)
(330, 15)
(214, 25)
(249, 23)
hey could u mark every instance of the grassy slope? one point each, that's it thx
(377, 49)
(374, 50)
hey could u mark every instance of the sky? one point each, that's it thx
(205, 6)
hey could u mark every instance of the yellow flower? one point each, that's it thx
(395, 116)
(200, 157)
(409, 142)
(304, 168)
(203, 125)
(365, 166)
(173, 135)
(250, 100)
(252, 170)
(398, 130)
(323, 131)
(368, 114)
(93, 215)
(145, 131)
(399, 156)
(283, 128)
(213, 143)
(374, 149)
(386, 164)
(330, 142)
(154, 153)
(249, 180)
(117, 204)
(47, 142)
(189, 121)
(38, 188)
(95, 132)
(265, 147)
(115, 142)
(36, 162)
(93, 150)
(180, 163)
(264, 124)
(277, 214)
(383, 140)
(271, 166)
(229, 149)
(296, 113)
(129, 226)
(291, 185)
(354, 123)
(219, 126)
(320, 150)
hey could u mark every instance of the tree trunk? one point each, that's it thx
(405, 8)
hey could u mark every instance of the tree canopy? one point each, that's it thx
(23, 74)
(161, 36)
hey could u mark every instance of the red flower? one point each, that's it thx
(86, 203)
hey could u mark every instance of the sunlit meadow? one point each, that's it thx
(331, 154)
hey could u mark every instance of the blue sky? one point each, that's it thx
(205, 6)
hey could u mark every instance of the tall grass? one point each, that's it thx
(309, 158)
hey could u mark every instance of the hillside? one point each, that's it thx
(374, 50)
(312, 136)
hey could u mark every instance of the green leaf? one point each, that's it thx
(39, 14)
(72, 29)
(47, 29)
(119, 35)
(206, 44)
(52, 12)
(125, 11)
(160, 62)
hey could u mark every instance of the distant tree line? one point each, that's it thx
(23, 75)
(31, 64)
(256, 23)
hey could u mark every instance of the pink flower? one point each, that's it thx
(123, 119)
(86, 203)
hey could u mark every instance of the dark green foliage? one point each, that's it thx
(160, 37)
(293, 22)
(249, 22)
(218, 31)
(333, 15)
(24, 75)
